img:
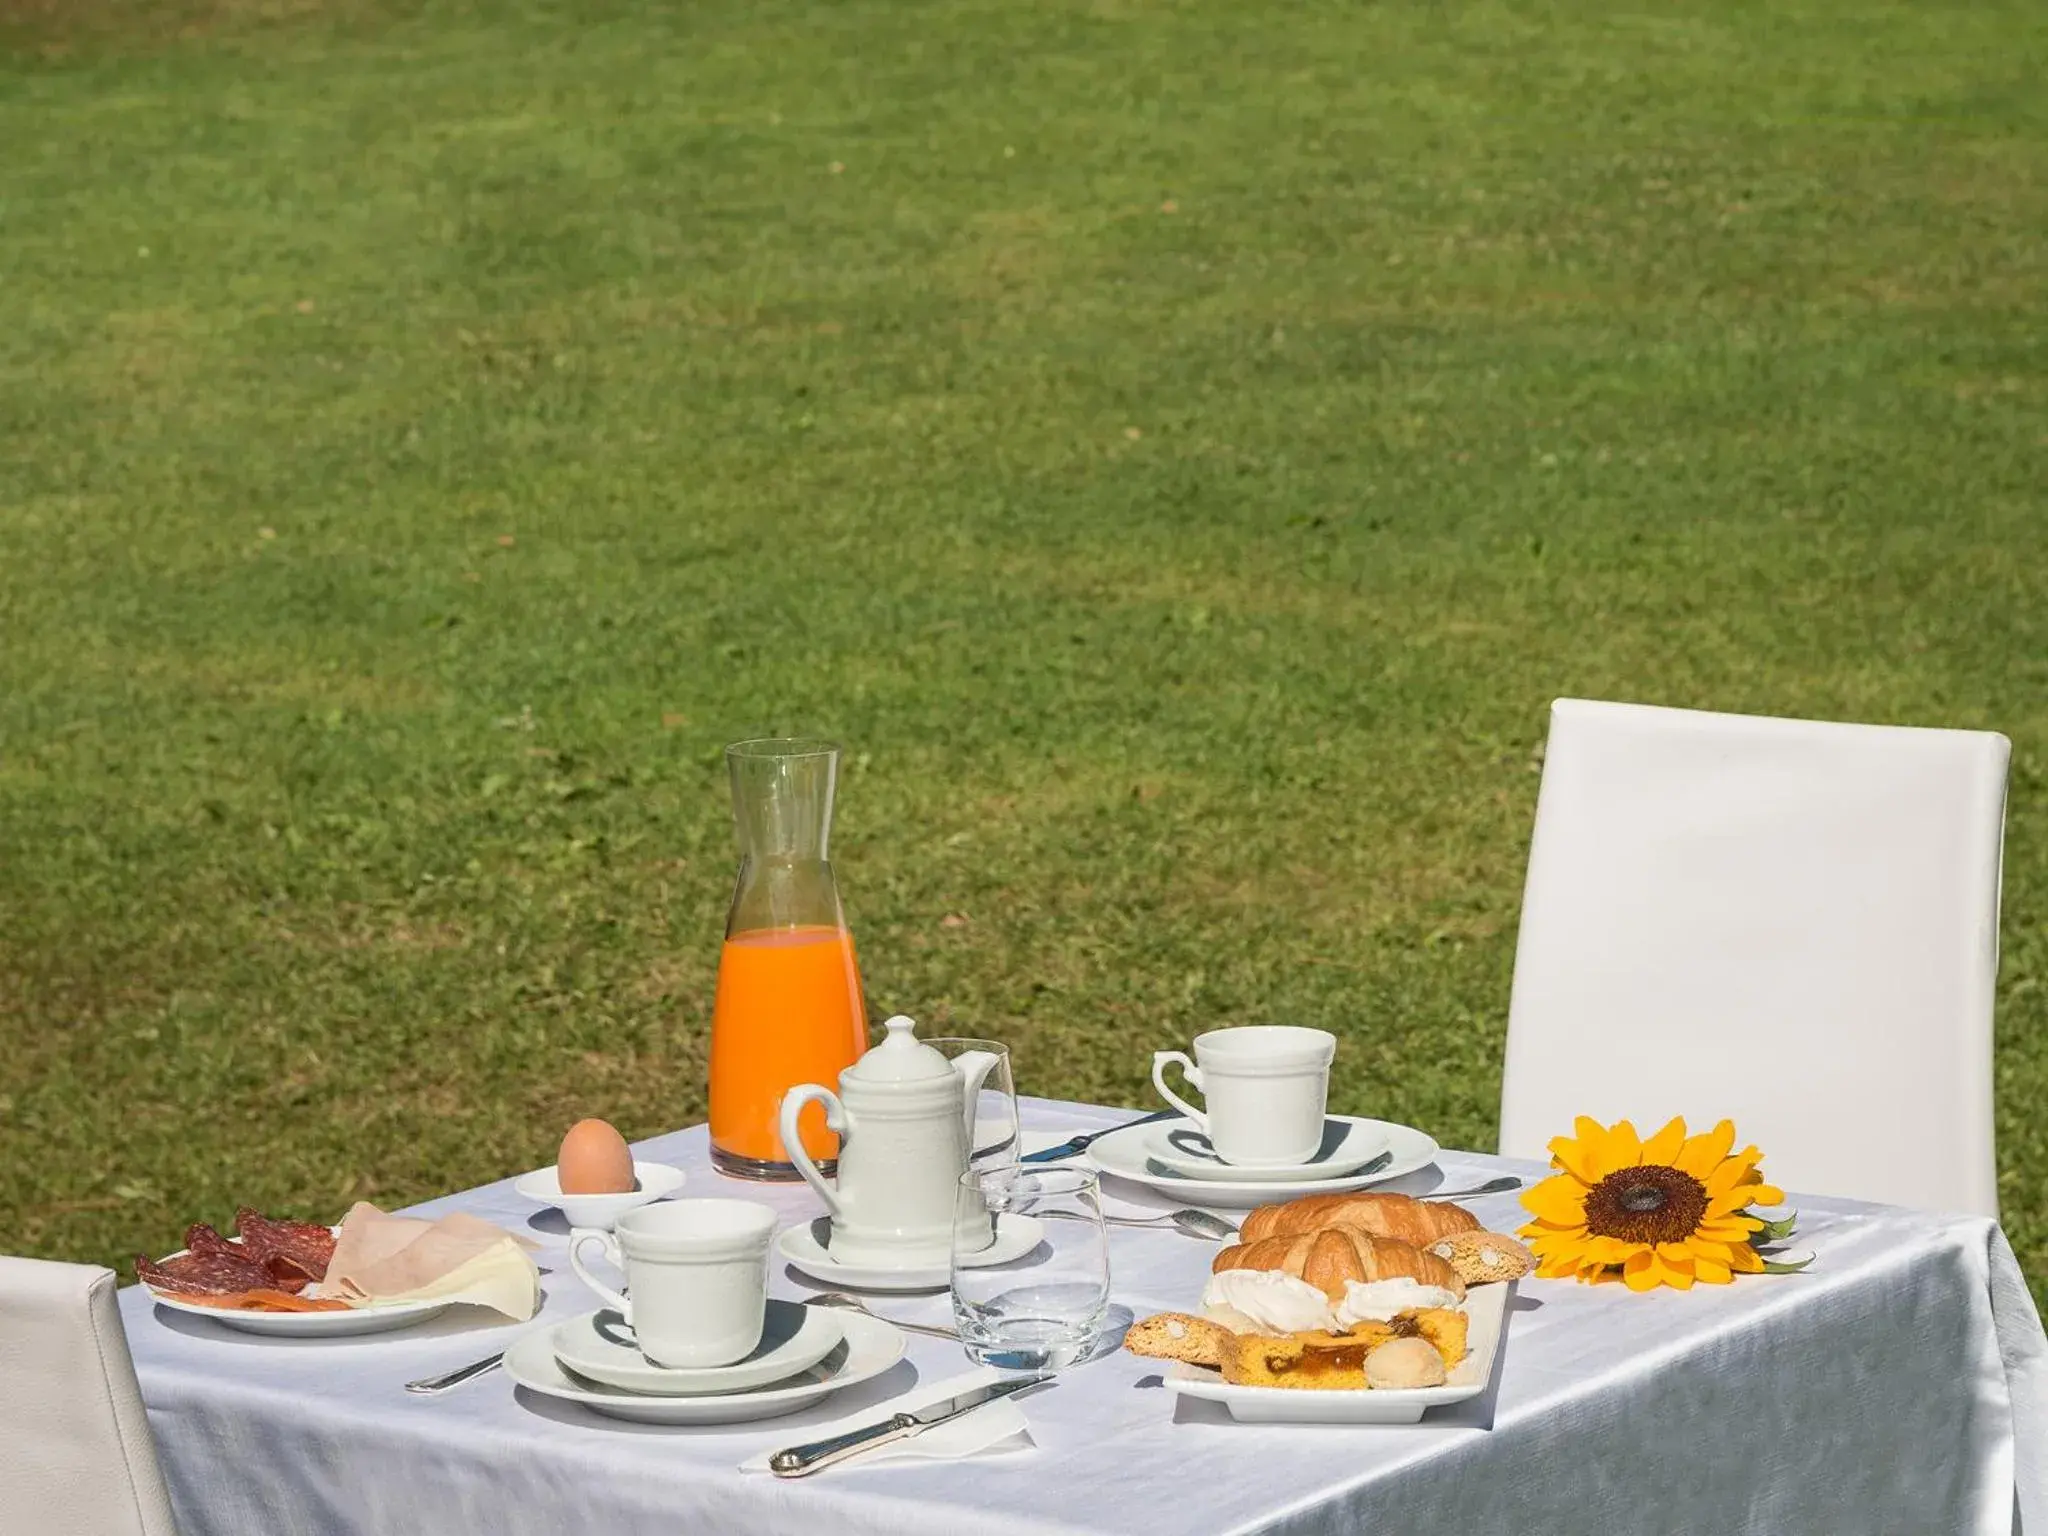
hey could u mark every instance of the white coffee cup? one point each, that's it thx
(1265, 1086)
(698, 1271)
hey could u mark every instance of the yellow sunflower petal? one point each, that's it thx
(1592, 1135)
(1764, 1194)
(1726, 1176)
(1711, 1271)
(1642, 1272)
(1609, 1250)
(1624, 1147)
(1708, 1251)
(1745, 1260)
(1703, 1152)
(1580, 1158)
(1665, 1145)
(1733, 1229)
(1561, 1200)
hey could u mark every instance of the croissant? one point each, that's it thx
(1420, 1222)
(1331, 1259)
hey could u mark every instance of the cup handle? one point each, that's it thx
(1161, 1060)
(605, 1293)
(793, 1104)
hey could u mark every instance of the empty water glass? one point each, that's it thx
(992, 1110)
(1045, 1310)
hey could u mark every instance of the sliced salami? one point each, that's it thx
(285, 1274)
(192, 1274)
(203, 1240)
(288, 1248)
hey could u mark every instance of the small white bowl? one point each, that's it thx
(652, 1181)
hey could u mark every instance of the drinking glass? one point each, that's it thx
(992, 1127)
(1043, 1313)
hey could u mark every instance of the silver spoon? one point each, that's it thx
(1499, 1186)
(846, 1303)
(1194, 1223)
(428, 1385)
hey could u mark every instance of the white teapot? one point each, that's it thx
(904, 1116)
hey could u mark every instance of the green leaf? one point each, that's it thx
(1772, 1231)
(1787, 1266)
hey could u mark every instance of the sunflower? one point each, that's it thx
(1668, 1211)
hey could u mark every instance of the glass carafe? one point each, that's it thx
(789, 1007)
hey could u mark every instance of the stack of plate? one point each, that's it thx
(1175, 1158)
(805, 1355)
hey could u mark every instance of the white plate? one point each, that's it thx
(871, 1346)
(311, 1325)
(1122, 1155)
(377, 1318)
(1348, 1145)
(1486, 1308)
(598, 1345)
(653, 1181)
(1015, 1237)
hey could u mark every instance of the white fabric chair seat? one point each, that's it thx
(76, 1457)
(1788, 923)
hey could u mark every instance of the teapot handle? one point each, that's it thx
(793, 1104)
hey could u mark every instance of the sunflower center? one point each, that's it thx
(1650, 1204)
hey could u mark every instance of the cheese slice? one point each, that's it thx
(502, 1278)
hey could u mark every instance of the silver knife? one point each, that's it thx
(1080, 1143)
(803, 1460)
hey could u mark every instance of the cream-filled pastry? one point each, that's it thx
(1376, 1301)
(1267, 1299)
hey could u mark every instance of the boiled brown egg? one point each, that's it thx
(594, 1161)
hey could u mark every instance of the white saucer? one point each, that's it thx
(652, 1181)
(870, 1347)
(598, 1345)
(1122, 1154)
(1348, 1145)
(801, 1246)
(1486, 1309)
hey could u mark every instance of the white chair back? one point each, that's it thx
(76, 1458)
(1783, 922)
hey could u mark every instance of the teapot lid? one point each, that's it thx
(900, 1058)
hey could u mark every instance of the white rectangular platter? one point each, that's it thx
(1486, 1307)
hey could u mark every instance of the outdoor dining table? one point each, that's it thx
(1900, 1384)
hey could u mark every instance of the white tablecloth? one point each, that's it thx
(1901, 1385)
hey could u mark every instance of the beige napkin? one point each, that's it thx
(379, 1257)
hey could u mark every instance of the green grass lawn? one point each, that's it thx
(1179, 448)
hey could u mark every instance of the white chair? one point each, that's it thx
(1783, 922)
(75, 1454)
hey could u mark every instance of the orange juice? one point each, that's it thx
(788, 1010)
